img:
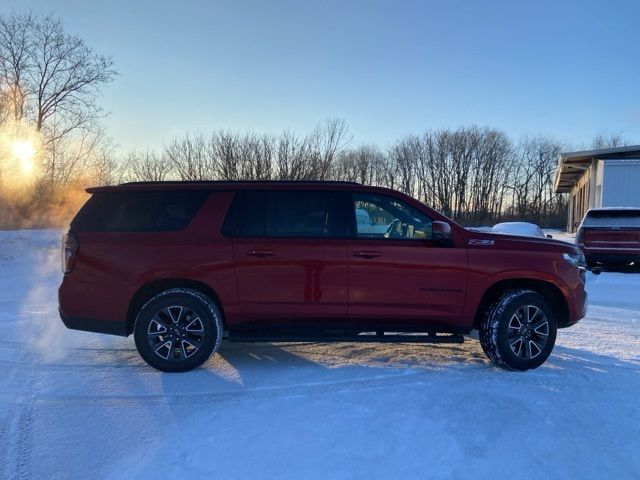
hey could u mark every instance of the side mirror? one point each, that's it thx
(576, 224)
(441, 232)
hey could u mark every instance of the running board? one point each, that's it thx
(390, 338)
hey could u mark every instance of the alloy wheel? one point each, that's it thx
(175, 333)
(528, 332)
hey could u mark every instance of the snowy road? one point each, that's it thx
(80, 405)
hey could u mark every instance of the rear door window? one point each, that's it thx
(138, 211)
(291, 214)
(612, 218)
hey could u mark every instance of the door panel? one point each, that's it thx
(290, 258)
(411, 281)
(298, 278)
(397, 273)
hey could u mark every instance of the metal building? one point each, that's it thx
(609, 177)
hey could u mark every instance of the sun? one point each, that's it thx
(24, 152)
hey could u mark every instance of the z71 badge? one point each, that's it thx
(481, 242)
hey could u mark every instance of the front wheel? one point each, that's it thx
(178, 330)
(518, 331)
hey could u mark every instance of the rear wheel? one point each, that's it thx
(519, 330)
(178, 330)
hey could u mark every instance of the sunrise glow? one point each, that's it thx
(24, 152)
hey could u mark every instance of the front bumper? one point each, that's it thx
(581, 311)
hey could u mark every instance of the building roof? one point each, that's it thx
(572, 165)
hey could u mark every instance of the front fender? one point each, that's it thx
(485, 275)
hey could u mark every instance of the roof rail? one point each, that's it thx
(163, 182)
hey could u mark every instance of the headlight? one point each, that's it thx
(577, 259)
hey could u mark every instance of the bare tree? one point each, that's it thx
(490, 166)
(605, 139)
(65, 75)
(292, 153)
(363, 165)
(531, 183)
(325, 142)
(49, 82)
(68, 159)
(225, 158)
(16, 46)
(49, 87)
(191, 157)
(49, 76)
(257, 152)
(146, 166)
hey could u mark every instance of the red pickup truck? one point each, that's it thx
(183, 264)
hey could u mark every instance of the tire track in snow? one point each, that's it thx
(25, 441)
(281, 391)
(16, 460)
(10, 427)
(5, 441)
(228, 344)
(9, 344)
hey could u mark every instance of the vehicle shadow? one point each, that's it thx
(249, 371)
(281, 365)
(284, 365)
(245, 369)
(584, 362)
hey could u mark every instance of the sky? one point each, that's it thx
(567, 69)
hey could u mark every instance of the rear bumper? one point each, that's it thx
(84, 306)
(109, 327)
(613, 262)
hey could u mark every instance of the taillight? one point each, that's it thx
(69, 249)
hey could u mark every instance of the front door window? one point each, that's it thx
(383, 217)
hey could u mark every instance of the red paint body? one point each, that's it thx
(336, 283)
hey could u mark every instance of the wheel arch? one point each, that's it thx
(153, 288)
(548, 290)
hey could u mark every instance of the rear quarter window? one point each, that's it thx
(612, 218)
(138, 211)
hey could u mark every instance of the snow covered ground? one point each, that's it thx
(82, 405)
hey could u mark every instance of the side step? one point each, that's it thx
(377, 338)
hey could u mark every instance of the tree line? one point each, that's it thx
(475, 175)
(50, 84)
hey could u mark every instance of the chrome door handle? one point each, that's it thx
(261, 253)
(367, 254)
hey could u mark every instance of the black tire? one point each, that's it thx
(509, 340)
(178, 330)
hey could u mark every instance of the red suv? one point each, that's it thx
(183, 264)
(610, 239)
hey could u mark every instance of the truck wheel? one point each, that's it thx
(518, 331)
(178, 330)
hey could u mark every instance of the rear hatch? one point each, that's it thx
(609, 228)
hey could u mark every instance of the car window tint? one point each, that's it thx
(381, 216)
(290, 214)
(613, 218)
(138, 211)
